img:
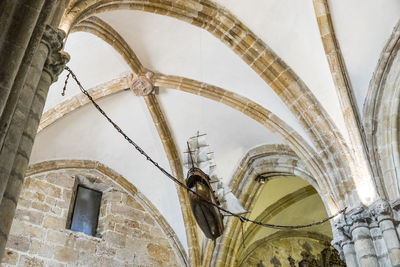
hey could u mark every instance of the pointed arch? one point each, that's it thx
(278, 160)
(381, 119)
(281, 78)
(96, 166)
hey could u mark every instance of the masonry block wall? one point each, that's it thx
(127, 233)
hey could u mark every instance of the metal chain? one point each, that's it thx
(176, 180)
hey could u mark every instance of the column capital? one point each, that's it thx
(396, 205)
(381, 210)
(56, 59)
(341, 235)
(358, 215)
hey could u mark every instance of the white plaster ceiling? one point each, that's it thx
(92, 60)
(362, 28)
(174, 47)
(230, 133)
(85, 134)
(191, 52)
(291, 30)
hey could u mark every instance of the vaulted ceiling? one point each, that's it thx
(172, 49)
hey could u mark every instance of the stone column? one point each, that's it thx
(379, 244)
(396, 215)
(14, 41)
(53, 66)
(361, 236)
(343, 244)
(7, 9)
(21, 77)
(12, 78)
(384, 217)
(50, 42)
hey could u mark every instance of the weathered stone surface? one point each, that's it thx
(158, 252)
(45, 188)
(10, 257)
(30, 261)
(65, 254)
(31, 216)
(19, 243)
(53, 222)
(39, 236)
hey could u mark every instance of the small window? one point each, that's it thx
(86, 211)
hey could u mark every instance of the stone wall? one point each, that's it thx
(127, 233)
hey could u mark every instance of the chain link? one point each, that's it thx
(176, 180)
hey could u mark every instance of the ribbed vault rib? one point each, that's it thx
(47, 166)
(292, 90)
(79, 100)
(260, 160)
(343, 86)
(101, 29)
(104, 31)
(381, 120)
(278, 206)
(264, 117)
(176, 167)
(242, 104)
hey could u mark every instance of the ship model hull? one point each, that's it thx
(208, 217)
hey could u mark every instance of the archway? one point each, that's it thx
(266, 163)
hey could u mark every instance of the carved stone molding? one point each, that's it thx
(358, 217)
(141, 85)
(381, 210)
(345, 224)
(396, 209)
(341, 235)
(396, 205)
(56, 59)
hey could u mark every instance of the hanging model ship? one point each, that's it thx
(203, 180)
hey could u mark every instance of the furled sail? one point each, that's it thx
(201, 157)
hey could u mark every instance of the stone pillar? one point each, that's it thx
(396, 215)
(363, 244)
(19, 81)
(343, 244)
(17, 51)
(379, 244)
(384, 217)
(54, 64)
(18, 29)
(349, 253)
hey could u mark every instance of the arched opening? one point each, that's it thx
(288, 196)
(285, 200)
(130, 229)
(381, 112)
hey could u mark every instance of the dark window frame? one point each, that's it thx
(73, 205)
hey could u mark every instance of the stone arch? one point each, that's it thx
(264, 160)
(108, 34)
(381, 119)
(104, 31)
(102, 176)
(292, 90)
(242, 104)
